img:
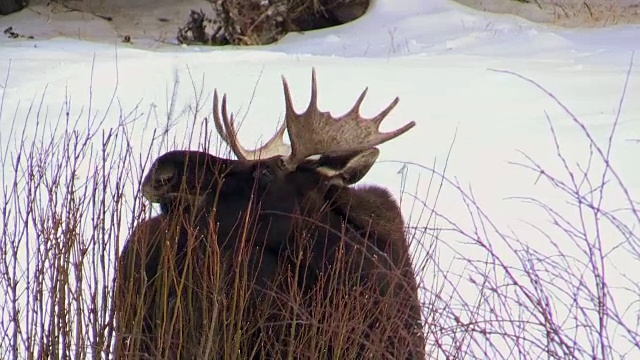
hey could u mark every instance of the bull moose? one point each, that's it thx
(274, 254)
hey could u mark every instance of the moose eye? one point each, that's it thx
(163, 180)
(164, 177)
(263, 173)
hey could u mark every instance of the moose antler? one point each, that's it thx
(226, 128)
(312, 132)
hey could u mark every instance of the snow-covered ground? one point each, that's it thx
(439, 57)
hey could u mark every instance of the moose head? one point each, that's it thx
(276, 173)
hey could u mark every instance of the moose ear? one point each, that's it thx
(347, 168)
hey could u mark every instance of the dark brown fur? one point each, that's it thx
(374, 211)
(150, 280)
(134, 303)
(305, 225)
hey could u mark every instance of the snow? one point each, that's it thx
(437, 56)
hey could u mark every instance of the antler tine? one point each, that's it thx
(315, 132)
(226, 128)
(216, 119)
(383, 114)
(313, 101)
(355, 110)
(288, 103)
